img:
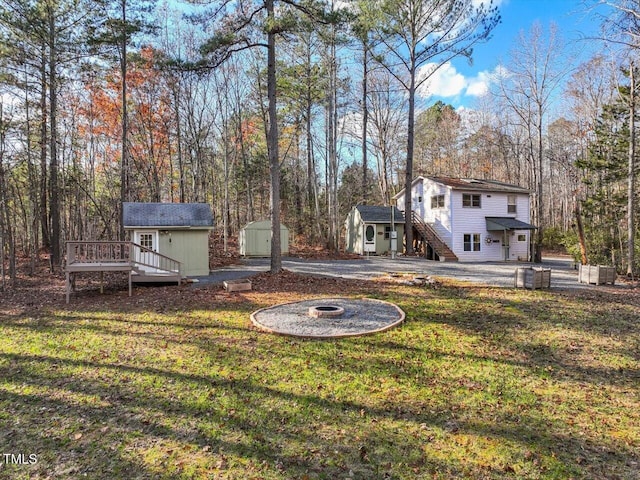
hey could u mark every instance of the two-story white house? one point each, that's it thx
(478, 220)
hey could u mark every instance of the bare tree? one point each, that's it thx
(386, 137)
(535, 72)
(413, 33)
(241, 30)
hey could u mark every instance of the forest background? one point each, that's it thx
(104, 101)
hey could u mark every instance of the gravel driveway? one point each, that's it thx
(500, 274)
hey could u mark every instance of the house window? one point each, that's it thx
(471, 242)
(470, 200)
(511, 204)
(437, 201)
(522, 238)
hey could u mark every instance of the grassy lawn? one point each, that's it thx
(478, 383)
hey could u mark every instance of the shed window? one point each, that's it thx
(146, 240)
(512, 204)
(437, 201)
(387, 232)
(471, 242)
(470, 200)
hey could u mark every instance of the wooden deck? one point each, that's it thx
(141, 264)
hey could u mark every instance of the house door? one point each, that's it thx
(148, 240)
(370, 238)
(505, 245)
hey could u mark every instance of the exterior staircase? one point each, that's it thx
(430, 237)
(150, 266)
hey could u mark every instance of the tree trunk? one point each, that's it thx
(365, 119)
(272, 143)
(408, 179)
(6, 234)
(631, 175)
(124, 167)
(581, 239)
(54, 190)
(44, 190)
(332, 154)
(179, 140)
(539, 190)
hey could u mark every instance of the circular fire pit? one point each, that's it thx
(319, 311)
(328, 318)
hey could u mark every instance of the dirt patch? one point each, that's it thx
(33, 294)
(299, 247)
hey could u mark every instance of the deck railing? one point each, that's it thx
(121, 252)
(98, 252)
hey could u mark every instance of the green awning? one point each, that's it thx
(507, 223)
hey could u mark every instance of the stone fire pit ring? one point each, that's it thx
(328, 317)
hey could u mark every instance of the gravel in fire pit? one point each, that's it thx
(360, 317)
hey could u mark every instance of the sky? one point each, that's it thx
(458, 83)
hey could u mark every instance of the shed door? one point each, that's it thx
(369, 238)
(148, 240)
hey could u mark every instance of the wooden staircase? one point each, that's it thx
(150, 266)
(430, 237)
(140, 263)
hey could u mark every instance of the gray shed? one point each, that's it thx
(254, 239)
(176, 230)
(369, 229)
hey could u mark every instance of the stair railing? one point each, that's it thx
(144, 257)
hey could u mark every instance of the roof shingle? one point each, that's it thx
(167, 214)
(379, 214)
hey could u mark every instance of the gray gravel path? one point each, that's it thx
(501, 274)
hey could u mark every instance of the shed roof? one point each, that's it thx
(379, 214)
(166, 214)
(262, 225)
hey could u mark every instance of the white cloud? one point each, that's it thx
(447, 82)
(444, 82)
(479, 85)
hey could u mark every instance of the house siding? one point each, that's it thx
(354, 234)
(190, 248)
(417, 199)
(453, 221)
(470, 220)
(254, 239)
(439, 218)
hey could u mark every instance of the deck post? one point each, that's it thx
(68, 285)
(130, 275)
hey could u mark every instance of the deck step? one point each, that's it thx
(156, 278)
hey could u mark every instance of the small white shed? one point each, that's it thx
(255, 239)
